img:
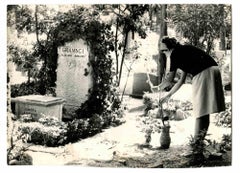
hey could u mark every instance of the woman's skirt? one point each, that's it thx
(208, 96)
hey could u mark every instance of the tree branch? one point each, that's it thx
(36, 23)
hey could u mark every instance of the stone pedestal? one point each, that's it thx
(140, 84)
(36, 105)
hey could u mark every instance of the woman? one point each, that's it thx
(208, 96)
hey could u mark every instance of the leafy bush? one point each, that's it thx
(224, 118)
(226, 143)
(17, 156)
(50, 121)
(47, 131)
(83, 128)
(38, 133)
(77, 129)
(95, 124)
(51, 132)
(173, 108)
(152, 120)
(26, 118)
(199, 145)
(24, 89)
(208, 147)
(113, 118)
(149, 102)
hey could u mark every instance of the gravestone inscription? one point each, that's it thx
(74, 77)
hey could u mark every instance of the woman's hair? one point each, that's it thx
(171, 43)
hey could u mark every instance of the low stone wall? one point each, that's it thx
(38, 105)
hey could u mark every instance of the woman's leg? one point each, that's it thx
(201, 128)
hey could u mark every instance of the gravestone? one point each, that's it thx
(74, 77)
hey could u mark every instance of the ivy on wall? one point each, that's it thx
(81, 24)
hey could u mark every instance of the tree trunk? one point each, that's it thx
(36, 23)
(151, 17)
(116, 43)
(163, 32)
(222, 30)
(123, 56)
(28, 76)
(222, 39)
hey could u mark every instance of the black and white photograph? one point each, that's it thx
(119, 85)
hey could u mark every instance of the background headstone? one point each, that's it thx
(74, 77)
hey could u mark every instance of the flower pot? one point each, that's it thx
(148, 138)
(165, 138)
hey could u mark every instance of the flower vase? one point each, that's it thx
(165, 138)
(148, 137)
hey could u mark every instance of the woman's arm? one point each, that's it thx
(175, 87)
(168, 81)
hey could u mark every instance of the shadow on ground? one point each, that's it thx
(160, 158)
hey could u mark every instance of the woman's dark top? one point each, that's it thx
(190, 59)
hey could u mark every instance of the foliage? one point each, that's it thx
(224, 118)
(225, 144)
(54, 29)
(200, 23)
(26, 118)
(155, 123)
(20, 16)
(151, 124)
(149, 103)
(25, 60)
(50, 121)
(115, 118)
(51, 132)
(79, 23)
(135, 55)
(208, 147)
(30, 18)
(77, 129)
(17, 156)
(48, 131)
(25, 89)
(170, 108)
(127, 20)
(198, 145)
(152, 121)
(85, 127)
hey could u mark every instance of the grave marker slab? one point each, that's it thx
(73, 73)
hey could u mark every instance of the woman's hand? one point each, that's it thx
(174, 88)
(164, 99)
(164, 84)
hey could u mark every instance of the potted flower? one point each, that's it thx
(165, 138)
(156, 122)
